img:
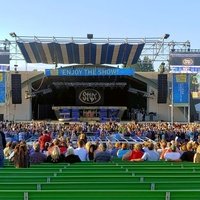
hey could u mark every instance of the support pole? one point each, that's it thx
(188, 98)
(172, 101)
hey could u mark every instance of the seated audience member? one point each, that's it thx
(172, 154)
(195, 144)
(55, 156)
(45, 150)
(150, 153)
(124, 149)
(183, 148)
(21, 157)
(54, 143)
(11, 156)
(2, 146)
(8, 150)
(63, 147)
(71, 157)
(81, 151)
(196, 158)
(164, 149)
(115, 149)
(92, 150)
(102, 155)
(135, 154)
(36, 156)
(188, 155)
(83, 137)
(87, 146)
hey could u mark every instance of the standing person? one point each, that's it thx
(45, 137)
(2, 146)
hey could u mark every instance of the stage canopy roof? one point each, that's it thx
(80, 53)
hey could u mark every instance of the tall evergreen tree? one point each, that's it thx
(144, 65)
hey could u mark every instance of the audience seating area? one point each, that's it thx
(118, 180)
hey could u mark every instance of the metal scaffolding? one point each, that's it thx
(157, 49)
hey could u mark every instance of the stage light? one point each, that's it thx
(187, 45)
(90, 36)
(13, 34)
(166, 36)
(15, 68)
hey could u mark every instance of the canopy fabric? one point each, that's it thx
(90, 53)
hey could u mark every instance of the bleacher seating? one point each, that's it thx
(116, 180)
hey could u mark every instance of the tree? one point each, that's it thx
(144, 65)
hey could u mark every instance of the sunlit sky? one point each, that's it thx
(103, 18)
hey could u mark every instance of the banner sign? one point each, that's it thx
(96, 71)
(4, 68)
(185, 69)
(195, 86)
(2, 87)
(187, 62)
(180, 89)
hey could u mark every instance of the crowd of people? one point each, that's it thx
(55, 142)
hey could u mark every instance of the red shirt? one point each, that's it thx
(63, 149)
(136, 154)
(43, 139)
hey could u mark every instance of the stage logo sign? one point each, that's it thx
(89, 96)
(184, 62)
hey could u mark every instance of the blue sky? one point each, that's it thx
(103, 18)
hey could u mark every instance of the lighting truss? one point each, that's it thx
(90, 84)
(156, 48)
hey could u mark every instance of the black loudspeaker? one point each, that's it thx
(162, 88)
(1, 117)
(16, 88)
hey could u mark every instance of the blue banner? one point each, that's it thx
(180, 89)
(2, 87)
(96, 71)
(184, 69)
